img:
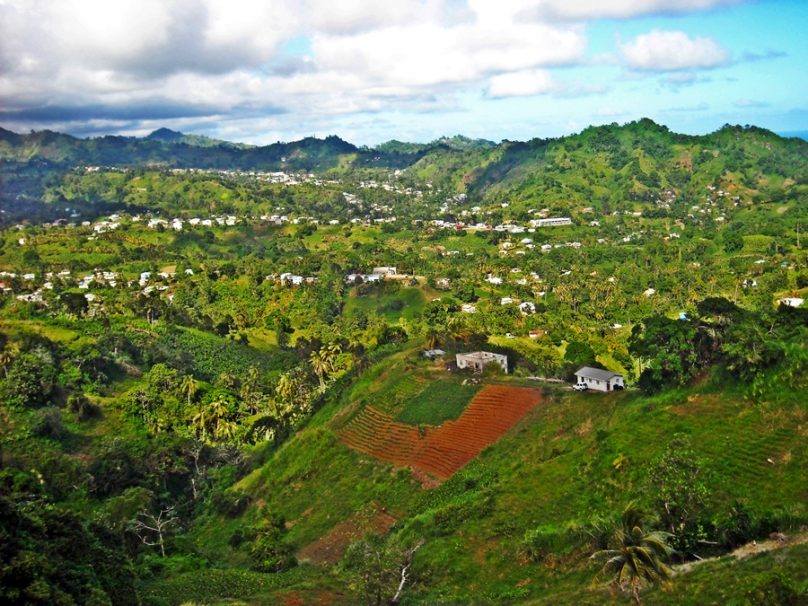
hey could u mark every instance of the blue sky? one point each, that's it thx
(407, 69)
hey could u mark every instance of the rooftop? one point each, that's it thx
(596, 373)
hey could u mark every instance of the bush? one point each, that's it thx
(48, 423)
(230, 503)
(269, 553)
(30, 380)
(540, 542)
(774, 588)
(82, 408)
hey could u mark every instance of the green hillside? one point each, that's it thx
(560, 477)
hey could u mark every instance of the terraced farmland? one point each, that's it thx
(441, 451)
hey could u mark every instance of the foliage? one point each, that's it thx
(268, 551)
(637, 556)
(680, 492)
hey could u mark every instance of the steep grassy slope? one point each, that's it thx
(568, 468)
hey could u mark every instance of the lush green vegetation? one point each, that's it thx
(183, 337)
(438, 402)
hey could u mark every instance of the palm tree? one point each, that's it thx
(432, 336)
(637, 556)
(319, 364)
(200, 421)
(332, 351)
(188, 386)
(250, 388)
(286, 387)
(226, 429)
(5, 360)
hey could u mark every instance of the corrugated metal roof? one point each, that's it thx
(596, 373)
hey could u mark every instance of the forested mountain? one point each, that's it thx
(602, 165)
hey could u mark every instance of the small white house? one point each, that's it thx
(385, 271)
(527, 308)
(477, 360)
(599, 380)
(792, 301)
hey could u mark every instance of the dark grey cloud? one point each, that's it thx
(155, 110)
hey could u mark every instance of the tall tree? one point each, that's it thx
(189, 386)
(637, 556)
(319, 364)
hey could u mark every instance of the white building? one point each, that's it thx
(527, 307)
(385, 271)
(599, 380)
(477, 360)
(551, 222)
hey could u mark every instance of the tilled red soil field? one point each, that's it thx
(440, 452)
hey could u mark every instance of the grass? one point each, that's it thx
(439, 402)
(765, 579)
(59, 334)
(405, 303)
(217, 585)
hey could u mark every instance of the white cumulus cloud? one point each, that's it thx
(522, 83)
(672, 51)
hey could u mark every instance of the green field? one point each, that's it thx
(441, 401)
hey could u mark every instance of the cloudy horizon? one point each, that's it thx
(259, 72)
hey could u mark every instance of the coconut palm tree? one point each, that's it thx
(218, 410)
(226, 429)
(250, 388)
(432, 335)
(5, 360)
(319, 364)
(286, 387)
(188, 386)
(201, 421)
(332, 350)
(637, 557)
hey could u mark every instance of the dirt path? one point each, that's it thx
(750, 549)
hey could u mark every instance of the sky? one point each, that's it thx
(373, 70)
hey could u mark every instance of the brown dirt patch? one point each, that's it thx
(330, 547)
(440, 452)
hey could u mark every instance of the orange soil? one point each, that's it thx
(330, 547)
(441, 451)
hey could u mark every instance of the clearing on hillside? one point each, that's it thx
(441, 451)
(330, 547)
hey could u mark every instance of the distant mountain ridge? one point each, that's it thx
(462, 162)
(167, 135)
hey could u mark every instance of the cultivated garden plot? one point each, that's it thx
(441, 451)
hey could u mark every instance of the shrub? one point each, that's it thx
(774, 588)
(269, 553)
(230, 503)
(82, 408)
(48, 423)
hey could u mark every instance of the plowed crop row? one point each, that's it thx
(442, 451)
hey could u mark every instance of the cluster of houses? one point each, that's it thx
(586, 377)
(376, 275)
(290, 279)
(511, 228)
